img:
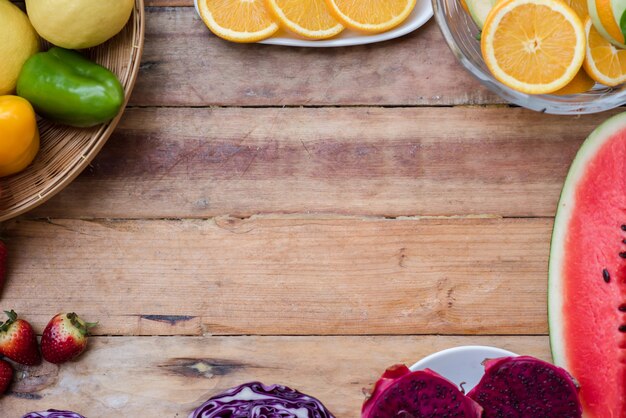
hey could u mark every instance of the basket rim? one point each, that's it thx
(103, 134)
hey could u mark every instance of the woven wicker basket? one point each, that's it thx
(66, 151)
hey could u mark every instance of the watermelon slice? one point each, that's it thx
(587, 289)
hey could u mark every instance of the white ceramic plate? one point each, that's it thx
(421, 14)
(461, 364)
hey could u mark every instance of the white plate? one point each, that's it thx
(421, 14)
(461, 364)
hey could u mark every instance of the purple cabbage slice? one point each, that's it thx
(255, 400)
(401, 393)
(53, 413)
(526, 387)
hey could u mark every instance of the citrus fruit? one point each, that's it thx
(18, 42)
(579, 84)
(238, 20)
(371, 16)
(603, 61)
(464, 5)
(533, 46)
(606, 16)
(580, 7)
(78, 24)
(308, 18)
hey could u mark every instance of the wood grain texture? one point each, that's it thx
(185, 65)
(284, 276)
(198, 163)
(170, 376)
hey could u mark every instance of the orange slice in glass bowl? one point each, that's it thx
(238, 20)
(604, 62)
(371, 16)
(580, 7)
(581, 83)
(533, 46)
(307, 18)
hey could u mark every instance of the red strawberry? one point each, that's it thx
(18, 341)
(64, 338)
(6, 376)
(3, 264)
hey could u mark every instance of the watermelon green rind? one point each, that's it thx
(587, 151)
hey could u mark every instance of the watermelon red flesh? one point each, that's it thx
(585, 315)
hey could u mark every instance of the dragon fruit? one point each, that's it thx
(255, 400)
(53, 413)
(421, 394)
(525, 387)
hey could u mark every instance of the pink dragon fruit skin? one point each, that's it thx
(402, 393)
(526, 387)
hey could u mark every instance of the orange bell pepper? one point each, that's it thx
(19, 135)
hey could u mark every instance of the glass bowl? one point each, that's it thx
(461, 33)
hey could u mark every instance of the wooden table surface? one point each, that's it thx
(297, 216)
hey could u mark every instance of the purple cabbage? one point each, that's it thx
(525, 387)
(421, 394)
(53, 413)
(255, 400)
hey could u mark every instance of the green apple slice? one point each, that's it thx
(479, 10)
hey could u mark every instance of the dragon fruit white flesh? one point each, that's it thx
(526, 387)
(400, 393)
(255, 400)
(53, 413)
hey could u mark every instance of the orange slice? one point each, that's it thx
(372, 16)
(308, 18)
(604, 62)
(238, 20)
(604, 10)
(580, 84)
(533, 46)
(580, 7)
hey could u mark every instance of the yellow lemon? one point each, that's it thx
(18, 42)
(78, 24)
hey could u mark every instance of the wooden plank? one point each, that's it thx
(181, 163)
(185, 65)
(284, 275)
(169, 377)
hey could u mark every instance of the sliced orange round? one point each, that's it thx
(372, 16)
(533, 46)
(238, 20)
(579, 84)
(604, 62)
(307, 18)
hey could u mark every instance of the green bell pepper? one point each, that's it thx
(67, 88)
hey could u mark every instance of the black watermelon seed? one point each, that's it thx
(606, 275)
(622, 328)
(623, 255)
(623, 227)
(622, 308)
(624, 241)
